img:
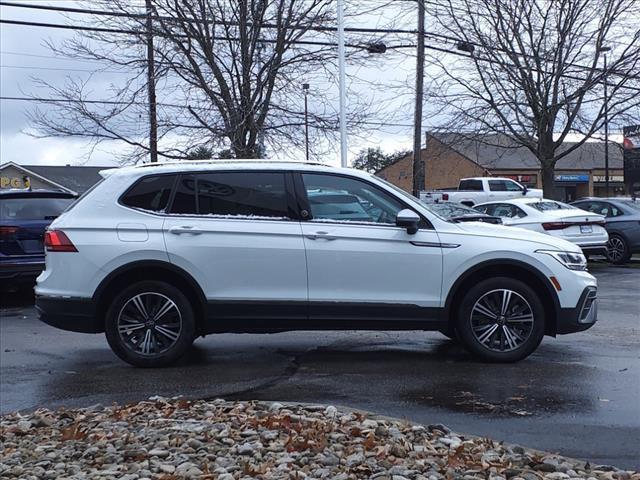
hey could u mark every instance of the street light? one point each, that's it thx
(606, 122)
(305, 88)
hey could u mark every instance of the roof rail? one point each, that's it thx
(227, 161)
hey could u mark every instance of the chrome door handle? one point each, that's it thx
(321, 235)
(182, 229)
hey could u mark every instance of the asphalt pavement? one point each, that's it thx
(578, 395)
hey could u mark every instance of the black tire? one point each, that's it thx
(618, 251)
(514, 333)
(166, 338)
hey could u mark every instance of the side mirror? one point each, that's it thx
(524, 190)
(408, 219)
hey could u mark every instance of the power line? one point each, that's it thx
(110, 13)
(143, 32)
(145, 104)
(34, 67)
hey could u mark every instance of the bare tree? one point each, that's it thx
(229, 75)
(534, 72)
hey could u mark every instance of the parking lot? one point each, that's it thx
(576, 395)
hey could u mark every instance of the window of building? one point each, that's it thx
(150, 193)
(336, 198)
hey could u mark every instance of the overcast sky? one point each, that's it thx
(25, 57)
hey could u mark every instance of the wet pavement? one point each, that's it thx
(578, 395)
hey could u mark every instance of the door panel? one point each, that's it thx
(237, 232)
(358, 257)
(372, 265)
(240, 259)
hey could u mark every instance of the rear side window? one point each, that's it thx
(150, 193)
(233, 194)
(475, 185)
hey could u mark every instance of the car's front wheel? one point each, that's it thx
(617, 250)
(501, 320)
(150, 324)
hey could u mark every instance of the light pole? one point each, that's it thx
(606, 123)
(305, 88)
(342, 82)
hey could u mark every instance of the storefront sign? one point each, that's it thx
(612, 178)
(14, 182)
(572, 178)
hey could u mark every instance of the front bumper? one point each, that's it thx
(21, 270)
(72, 314)
(583, 316)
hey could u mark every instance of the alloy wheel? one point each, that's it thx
(149, 323)
(615, 249)
(502, 320)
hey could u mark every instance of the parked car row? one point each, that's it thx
(600, 226)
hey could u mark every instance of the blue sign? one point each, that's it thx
(572, 178)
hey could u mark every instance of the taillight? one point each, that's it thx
(57, 241)
(8, 231)
(555, 225)
(445, 196)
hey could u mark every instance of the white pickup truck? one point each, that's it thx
(472, 191)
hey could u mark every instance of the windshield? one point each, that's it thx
(450, 210)
(631, 204)
(33, 208)
(548, 205)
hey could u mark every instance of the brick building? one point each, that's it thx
(449, 157)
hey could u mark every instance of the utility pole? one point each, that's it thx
(151, 88)
(418, 166)
(606, 124)
(305, 88)
(342, 82)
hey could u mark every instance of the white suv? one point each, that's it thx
(156, 255)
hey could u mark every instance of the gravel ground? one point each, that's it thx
(173, 439)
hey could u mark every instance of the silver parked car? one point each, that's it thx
(623, 225)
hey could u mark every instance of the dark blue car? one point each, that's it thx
(24, 217)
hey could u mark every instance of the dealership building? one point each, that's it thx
(449, 157)
(66, 178)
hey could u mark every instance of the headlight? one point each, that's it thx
(571, 260)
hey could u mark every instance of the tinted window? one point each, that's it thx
(475, 185)
(503, 186)
(260, 194)
(33, 208)
(236, 194)
(150, 193)
(332, 197)
(506, 210)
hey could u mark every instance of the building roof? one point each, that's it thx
(75, 178)
(501, 153)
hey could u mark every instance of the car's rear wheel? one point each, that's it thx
(501, 320)
(617, 250)
(150, 324)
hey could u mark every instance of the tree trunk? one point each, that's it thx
(548, 170)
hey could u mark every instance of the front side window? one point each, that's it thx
(342, 199)
(150, 193)
(232, 194)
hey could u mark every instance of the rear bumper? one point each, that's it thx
(600, 249)
(581, 317)
(72, 314)
(21, 270)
